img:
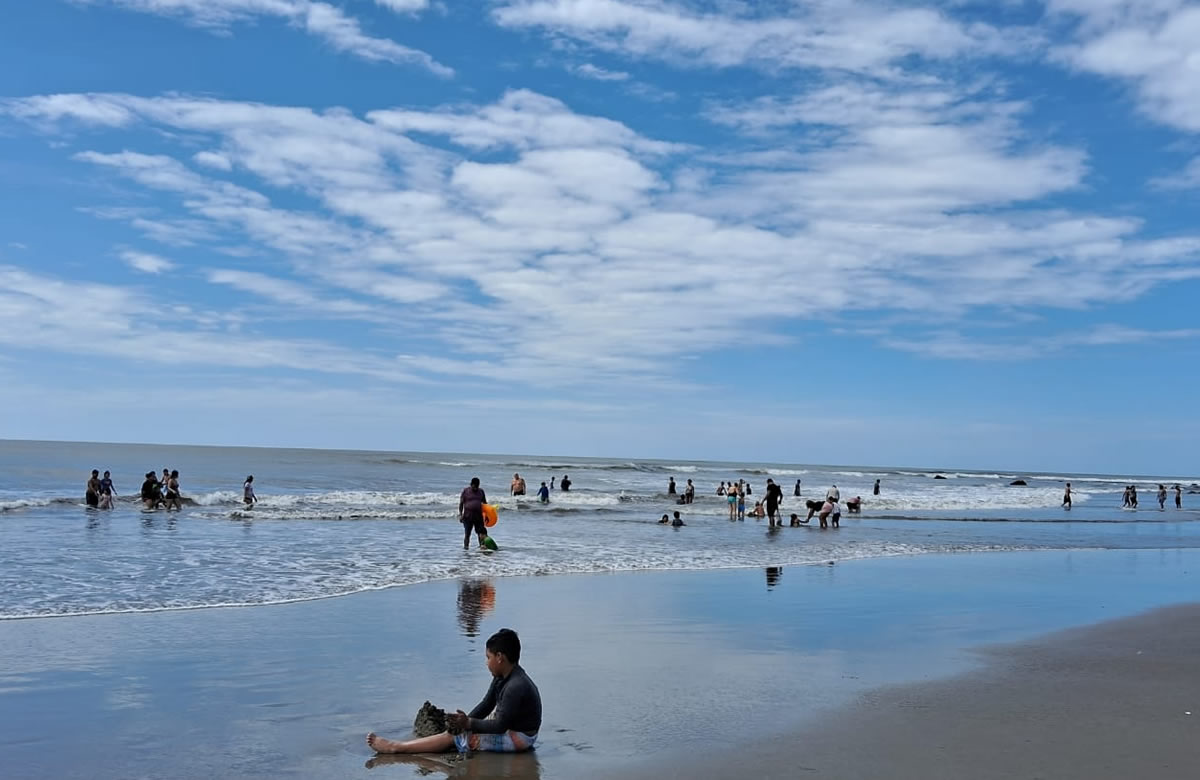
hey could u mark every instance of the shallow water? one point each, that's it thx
(336, 522)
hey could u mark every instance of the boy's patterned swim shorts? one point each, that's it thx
(508, 742)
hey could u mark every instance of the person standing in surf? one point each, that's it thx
(470, 512)
(91, 496)
(671, 486)
(689, 493)
(876, 487)
(1067, 496)
(248, 497)
(1178, 496)
(774, 498)
(1162, 496)
(564, 484)
(172, 494)
(795, 490)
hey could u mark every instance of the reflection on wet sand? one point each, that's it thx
(774, 573)
(476, 598)
(515, 765)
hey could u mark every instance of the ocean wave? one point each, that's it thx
(26, 503)
(304, 584)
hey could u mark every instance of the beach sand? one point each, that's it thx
(875, 668)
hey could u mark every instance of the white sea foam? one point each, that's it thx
(24, 503)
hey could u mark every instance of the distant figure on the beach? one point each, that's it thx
(544, 494)
(666, 518)
(1162, 496)
(518, 486)
(671, 486)
(796, 490)
(677, 521)
(248, 497)
(172, 491)
(1178, 496)
(506, 721)
(1125, 497)
(470, 512)
(731, 500)
(830, 511)
(876, 491)
(1067, 496)
(552, 482)
(1133, 496)
(107, 491)
(721, 489)
(151, 493)
(91, 495)
(833, 495)
(689, 493)
(741, 503)
(564, 484)
(773, 499)
(854, 505)
(758, 510)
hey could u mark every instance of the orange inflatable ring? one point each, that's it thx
(489, 515)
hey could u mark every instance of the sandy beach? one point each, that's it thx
(883, 668)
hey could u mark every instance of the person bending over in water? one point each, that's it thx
(470, 512)
(150, 491)
(506, 721)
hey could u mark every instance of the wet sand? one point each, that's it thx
(1116, 700)
(669, 674)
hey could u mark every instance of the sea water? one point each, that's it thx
(332, 522)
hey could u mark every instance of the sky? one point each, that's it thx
(955, 233)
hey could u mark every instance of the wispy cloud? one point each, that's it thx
(1149, 44)
(857, 36)
(321, 20)
(145, 262)
(529, 243)
(589, 71)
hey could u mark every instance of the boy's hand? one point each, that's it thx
(458, 722)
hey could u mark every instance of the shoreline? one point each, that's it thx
(611, 653)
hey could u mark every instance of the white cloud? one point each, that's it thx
(79, 317)
(589, 71)
(857, 36)
(404, 6)
(213, 160)
(322, 20)
(952, 345)
(145, 262)
(1149, 44)
(280, 290)
(528, 243)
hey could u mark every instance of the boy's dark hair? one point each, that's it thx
(505, 641)
(474, 481)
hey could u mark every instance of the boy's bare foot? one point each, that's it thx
(379, 744)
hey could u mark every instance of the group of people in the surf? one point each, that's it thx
(161, 493)
(1130, 499)
(517, 488)
(828, 511)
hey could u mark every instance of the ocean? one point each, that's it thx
(334, 522)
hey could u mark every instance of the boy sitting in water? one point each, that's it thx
(506, 721)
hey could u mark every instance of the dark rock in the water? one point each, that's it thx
(429, 721)
(1018, 483)
(938, 476)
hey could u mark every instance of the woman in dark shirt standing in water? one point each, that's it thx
(470, 512)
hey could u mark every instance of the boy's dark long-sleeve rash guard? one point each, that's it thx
(516, 702)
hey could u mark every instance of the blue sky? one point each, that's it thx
(931, 233)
